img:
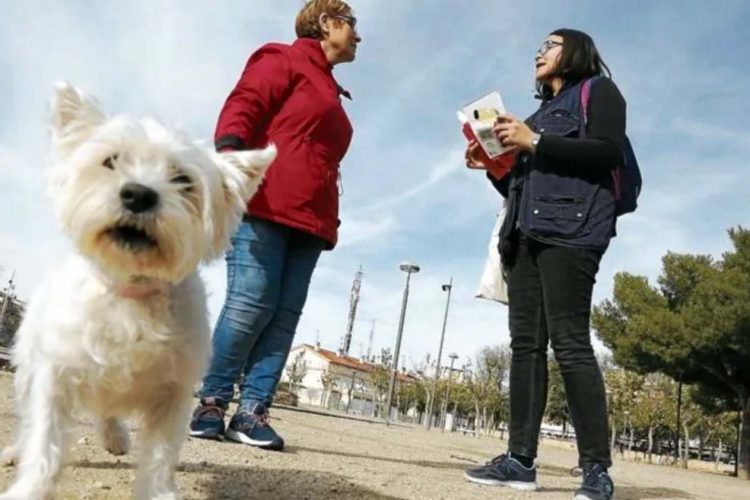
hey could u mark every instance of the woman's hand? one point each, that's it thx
(472, 155)
(513, 132)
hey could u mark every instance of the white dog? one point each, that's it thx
(121, 328)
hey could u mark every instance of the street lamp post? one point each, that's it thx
(453, 357)
(408, 268)
(446, 288)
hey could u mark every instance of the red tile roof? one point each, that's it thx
(348, 361)
(354, 363)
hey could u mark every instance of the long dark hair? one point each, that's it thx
(579, 60)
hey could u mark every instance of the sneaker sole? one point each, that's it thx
(207, 435)
(580, 496)
(516, 485)
(240, 437)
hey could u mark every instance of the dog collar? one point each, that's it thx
(141, 287)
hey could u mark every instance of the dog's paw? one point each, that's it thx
(162, 495)
(9, 456)
(23, 492)
(13, 496)
(172, 495)
(116, 437)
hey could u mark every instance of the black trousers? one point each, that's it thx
(549, 289)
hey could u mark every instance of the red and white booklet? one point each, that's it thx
(478, 120)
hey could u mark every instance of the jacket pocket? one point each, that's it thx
(324, 203)
(558, 122)
(559, 216)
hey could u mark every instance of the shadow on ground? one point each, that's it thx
(459, 465)
(622, 491)
(229, 482)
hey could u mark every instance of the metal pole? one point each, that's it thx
(428, 423)
(447, 392)
(369, 343)
(353, 301)
(677, 454)
(394, 370)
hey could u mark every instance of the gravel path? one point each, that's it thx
(330, 457)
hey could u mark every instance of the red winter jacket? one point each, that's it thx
(287, 96)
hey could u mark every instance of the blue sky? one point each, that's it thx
(681, 65)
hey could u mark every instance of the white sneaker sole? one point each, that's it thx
(201, 434)
(516, 485)
(240, 437)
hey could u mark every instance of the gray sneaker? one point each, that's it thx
(251, 426)
(596, 485)
(504, 471)
(208, 419)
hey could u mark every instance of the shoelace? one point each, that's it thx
(591, 477)
(263, 419)
(210, 409)
(501, 461)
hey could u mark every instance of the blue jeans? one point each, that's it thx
(268, 273)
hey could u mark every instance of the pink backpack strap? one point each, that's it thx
(585, 94)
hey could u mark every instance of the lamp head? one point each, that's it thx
(409, 267)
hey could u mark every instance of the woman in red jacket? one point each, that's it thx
(287, 95)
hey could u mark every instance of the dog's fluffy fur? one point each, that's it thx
(120, 328)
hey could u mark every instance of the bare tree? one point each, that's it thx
(328, 380)
(11, 314)
(485, 386)
(296, 372)
(380, 378)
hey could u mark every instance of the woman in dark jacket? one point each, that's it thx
(287, 95)
(560, 218)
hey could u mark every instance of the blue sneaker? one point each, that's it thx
(597, 485)
(504, 471)
(208, 419)
(252, 427)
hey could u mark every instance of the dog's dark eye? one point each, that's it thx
(187, 182)
(110, 162)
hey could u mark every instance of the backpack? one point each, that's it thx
(626, 177)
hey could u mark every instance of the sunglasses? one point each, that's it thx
(350, 20)
(548, 45)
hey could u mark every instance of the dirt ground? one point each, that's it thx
(329, 457)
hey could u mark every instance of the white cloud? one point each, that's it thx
(361, 230)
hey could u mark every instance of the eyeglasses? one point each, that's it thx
(548, 45)
(350, 20)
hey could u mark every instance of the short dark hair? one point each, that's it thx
(579, 60)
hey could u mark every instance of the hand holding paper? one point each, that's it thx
(485, 150)
(513, 132)
(473, 155)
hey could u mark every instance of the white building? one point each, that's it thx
(334, 381)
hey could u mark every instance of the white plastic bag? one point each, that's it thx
(492, 285)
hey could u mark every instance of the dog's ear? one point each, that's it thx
(74, 116)
(241, 174)
(244, 171)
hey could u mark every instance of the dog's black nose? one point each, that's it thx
(138, 198)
